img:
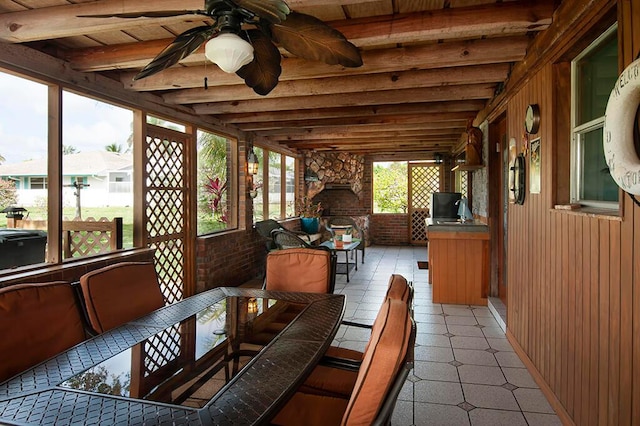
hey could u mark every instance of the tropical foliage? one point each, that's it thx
(390, 187)
(8, 194)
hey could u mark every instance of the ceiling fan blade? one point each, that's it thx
(274, 11)
(163, 14)
(309, 38)
(181, 47)
(263, 72)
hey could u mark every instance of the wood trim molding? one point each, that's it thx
(555, 403)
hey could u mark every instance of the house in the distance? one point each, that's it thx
(106, 179)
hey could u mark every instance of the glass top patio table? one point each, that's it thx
(227, 356)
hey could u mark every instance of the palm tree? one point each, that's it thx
(68, 149)
(114, 147)
(2, 159)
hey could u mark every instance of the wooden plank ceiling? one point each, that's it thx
(429, 66)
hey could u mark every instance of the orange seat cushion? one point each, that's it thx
(119, 293)
(299, 269)
(37, 321)
(330, 381)
(311, 410)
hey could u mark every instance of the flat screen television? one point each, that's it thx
(443, 205)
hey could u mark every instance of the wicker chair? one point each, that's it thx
(264, 228)
(284, 239)
(348, 221)
(306, 269)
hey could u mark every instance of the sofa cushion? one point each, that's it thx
(37, 321)
(119, 293)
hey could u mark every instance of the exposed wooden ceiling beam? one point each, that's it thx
(64, 21)
(391, 134)
(444, 55)
(502, 19)
(345, 112)
(400, 126)
(357, 122)
(351, 84)
(429, 94)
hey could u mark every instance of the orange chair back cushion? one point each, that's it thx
(398, 288)
(119, 293)
(37, 321)
(299, 269)
(382, 359)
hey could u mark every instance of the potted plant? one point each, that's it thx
(309, 213)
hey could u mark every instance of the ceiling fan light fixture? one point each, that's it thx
(229, 52)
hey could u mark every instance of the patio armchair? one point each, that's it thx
(37, 321)
(336, 374)
(358, 233)
(384, 369)
(300, 268)
(120, 293)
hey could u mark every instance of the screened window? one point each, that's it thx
(275, 183)
(390, 187)
(594, 73)
(215, 212)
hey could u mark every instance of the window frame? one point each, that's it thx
(263, 178)
(579, 130)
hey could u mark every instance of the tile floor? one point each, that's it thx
(466, 372)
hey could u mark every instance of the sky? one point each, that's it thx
(88, 125)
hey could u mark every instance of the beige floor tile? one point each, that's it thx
(519, 377)
(440, 371)
(474, 357)
(442, 415)
(532, 400)
(481, 375)
(463, 342)
(486, 417)
(438, 392)
(485, 396)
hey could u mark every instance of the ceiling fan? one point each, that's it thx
(243, 38)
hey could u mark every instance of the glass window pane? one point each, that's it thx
(291, 186)
(390, 187)
(213, 188)
(275, 185)
(258, 202)
(23, 168)
(97, 169)
(596, 181)
(597, 74)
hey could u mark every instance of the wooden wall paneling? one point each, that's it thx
(579, 323)
(571, 314)
(584, 291)
(626, 314)
(635, 398)
(594, 351)
(564, 255)
(614, 323)
(603, 323)
(629, 40)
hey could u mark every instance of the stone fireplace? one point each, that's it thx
(336, 181)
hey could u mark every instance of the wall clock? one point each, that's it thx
(532, 119)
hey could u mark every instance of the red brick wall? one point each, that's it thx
(389, 229)
(229, 259)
